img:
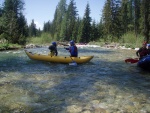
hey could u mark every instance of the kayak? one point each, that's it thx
(58, 59)
(144, 62)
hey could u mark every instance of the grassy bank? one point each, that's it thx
(44, 39)
(8, 46)
(128, 40)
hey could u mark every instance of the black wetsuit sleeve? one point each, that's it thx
(137, 53)
(51, 48)
(56, 52)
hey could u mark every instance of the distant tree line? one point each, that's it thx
(67, 24)
(13, 25)
(122, 16)
(118, 18)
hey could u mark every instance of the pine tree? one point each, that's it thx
(145, 12)
(63, 31)
(130, 16)
(107, 17)
(136, 16)
(47, 27)
(1, 25)
(11, 16)
(124, 15)
(80, 29)
(86, 30)
(112, 19)
(94, 32)
(71, 19)
(23, 29)
(117, 30)
(101, 29)
(58, 18)
(32, 29)
(75, 31)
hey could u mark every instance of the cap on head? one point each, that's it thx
(54, 43)
(71, 42)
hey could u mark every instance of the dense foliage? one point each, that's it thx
(13, 26)
(119, 17)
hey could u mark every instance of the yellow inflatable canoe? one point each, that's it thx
(58, 59)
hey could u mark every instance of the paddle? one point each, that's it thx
(131, 60)
(73, 62)
(63, 44)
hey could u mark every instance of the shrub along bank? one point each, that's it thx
(128, 40)
(7, 46)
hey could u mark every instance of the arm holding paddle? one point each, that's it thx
(73, 49)
(63, 44)
(142, 52)
(73, 52)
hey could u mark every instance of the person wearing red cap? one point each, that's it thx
(142, 51)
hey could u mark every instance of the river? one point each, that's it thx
(106, 84)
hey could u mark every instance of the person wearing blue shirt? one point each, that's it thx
(148, 49)
(73, 49)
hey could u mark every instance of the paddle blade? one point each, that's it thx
(73, 64)
(131, 60)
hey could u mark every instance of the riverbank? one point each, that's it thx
(11, 48)
(6, 46)
(105, 45)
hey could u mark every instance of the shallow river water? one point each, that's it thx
(106, 84)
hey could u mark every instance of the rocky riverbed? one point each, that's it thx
(104, 85)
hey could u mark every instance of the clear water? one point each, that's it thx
(105, 84)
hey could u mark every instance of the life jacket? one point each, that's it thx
(53, 50)
(73, 51)
(143, 52)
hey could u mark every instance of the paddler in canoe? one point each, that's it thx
(53, 49)
(72, 49)
(142, 52)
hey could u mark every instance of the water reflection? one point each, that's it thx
(105, 84)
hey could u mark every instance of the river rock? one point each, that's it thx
(74, 109)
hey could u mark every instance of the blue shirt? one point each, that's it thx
(73, 51)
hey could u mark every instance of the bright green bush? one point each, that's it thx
(44, 39)
(131, 41)
(5, 46)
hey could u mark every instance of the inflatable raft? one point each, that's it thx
(58, 59)
(144, 62)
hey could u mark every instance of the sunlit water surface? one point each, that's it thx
(105, 84)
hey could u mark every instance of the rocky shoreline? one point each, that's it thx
(108, 46)
(10, 48)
